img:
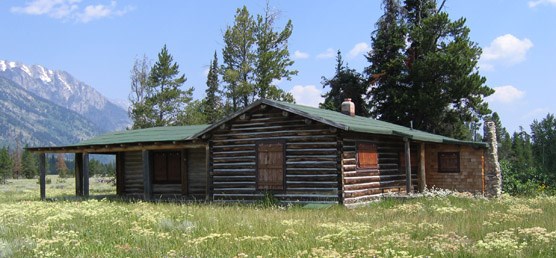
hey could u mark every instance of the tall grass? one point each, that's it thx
(427, 226)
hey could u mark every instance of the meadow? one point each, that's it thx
(437, 225)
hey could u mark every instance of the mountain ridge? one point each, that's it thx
(63, 89)
(28, 119)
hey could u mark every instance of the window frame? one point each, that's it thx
(374, 155)
(257, 169)
(443, 155)
(177, 180)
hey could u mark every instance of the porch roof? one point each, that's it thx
(139, 138)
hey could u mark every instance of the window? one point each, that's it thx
(367, 156)
(448, 162)
(167, 167)
(270, 166)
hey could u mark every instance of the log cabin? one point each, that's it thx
(294, 152)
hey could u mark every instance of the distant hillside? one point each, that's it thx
(30, 119)
(66, 91)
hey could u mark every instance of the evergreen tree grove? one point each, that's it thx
(5, 164)
(424, 70)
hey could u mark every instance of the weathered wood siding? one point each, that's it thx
(363, 184)
(197, 172)
(311, 169)
(133, 175)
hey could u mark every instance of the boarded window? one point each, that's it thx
(367, 156)
(167, 167)
(448, 162)
(270, 166)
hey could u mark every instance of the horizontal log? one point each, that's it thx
(233, 178)
(289, 138)
(234, 164)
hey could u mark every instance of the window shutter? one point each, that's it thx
(367, 155)
(270, 166)
(174, 167)
(159, 167)
(448, 162)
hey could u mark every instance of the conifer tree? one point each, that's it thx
(272, 57)
(5, 164)
(438, 87)
(167, 99)
(29, 164)
(385, 73)
(346, 83)
(213, 107)
(254, 57)
(239, 59)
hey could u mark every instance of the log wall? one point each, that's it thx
(311, 169)
(364, 184)
(197, 172)
(133, 175)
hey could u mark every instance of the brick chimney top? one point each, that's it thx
(348, 107)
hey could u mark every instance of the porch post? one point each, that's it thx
(120, 177)
(422, 168)
(42, 176)
(86, 174)
(147, 180)
(408, 187)
(78, 174)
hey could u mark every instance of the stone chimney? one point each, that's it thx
(348, 107)
(493, 174)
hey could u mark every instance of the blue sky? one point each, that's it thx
(98, 40)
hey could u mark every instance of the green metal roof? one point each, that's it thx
(355, 124)
(155, 134)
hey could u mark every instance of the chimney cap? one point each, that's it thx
(348, 107)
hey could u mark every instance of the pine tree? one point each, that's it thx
(254, 57)
(238, 54)
(346, 83)
(386, 71)
(29, 164)
(544, 147)
(167, 99)
(61, 167)
(213, 107)
(439, 88)
(272, 57)
(5, 165)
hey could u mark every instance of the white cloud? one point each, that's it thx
(206, 72)
(505, 94)
(359, 48)
(300, 55)
(507, 49)
(307, 95)
(533, 4)
(329, 53)
(71, 10)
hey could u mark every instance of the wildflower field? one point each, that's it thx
(433, 226)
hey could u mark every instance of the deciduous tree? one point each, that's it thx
(61, 167)
(139, 111)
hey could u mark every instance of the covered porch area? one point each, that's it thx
(154, 163)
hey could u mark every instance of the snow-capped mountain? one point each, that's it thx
(63, 89)
(26, 118)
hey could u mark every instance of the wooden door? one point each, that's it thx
(270, 166)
